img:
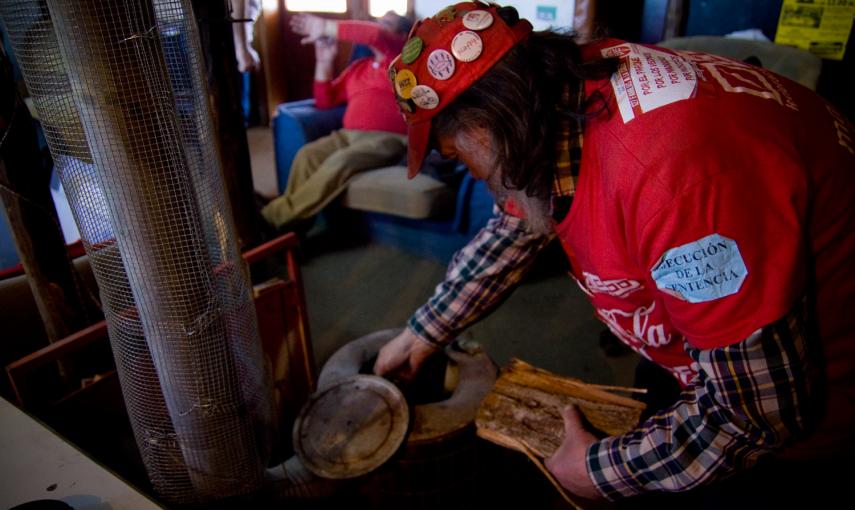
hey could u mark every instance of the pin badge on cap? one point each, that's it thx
(425, 97)
(466, 46)
(446, 15)
(412, 49)
(405, 80)
(477, 20)
(440, 64)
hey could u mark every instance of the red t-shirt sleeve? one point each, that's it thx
(331, 93)
(727, 253)
(372, 34)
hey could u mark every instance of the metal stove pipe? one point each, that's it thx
(129, 129)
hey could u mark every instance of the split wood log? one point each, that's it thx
(526, 403)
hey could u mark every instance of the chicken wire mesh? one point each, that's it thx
(118, 86)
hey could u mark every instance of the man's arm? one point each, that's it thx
(320, 32)
(328, 92)
(247, 11)
(480, 276)
(749, 400)
(371, 34)
(359, 32)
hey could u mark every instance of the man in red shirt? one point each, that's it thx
(373, 131)
(706, 208)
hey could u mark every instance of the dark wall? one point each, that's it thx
(719, 17)
(620, 18)
(835, 82)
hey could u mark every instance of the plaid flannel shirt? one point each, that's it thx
(749, 398)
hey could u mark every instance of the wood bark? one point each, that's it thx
(526, 403)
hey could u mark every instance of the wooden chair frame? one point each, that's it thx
(285, 297)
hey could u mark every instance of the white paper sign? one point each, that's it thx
(648, 79)
(703, 270)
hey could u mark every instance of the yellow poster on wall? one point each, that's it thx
(819, 26)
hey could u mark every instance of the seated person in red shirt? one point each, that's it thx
(374, 134)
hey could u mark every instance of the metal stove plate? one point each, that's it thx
(351, 427)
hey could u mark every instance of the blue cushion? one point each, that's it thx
(295, 124)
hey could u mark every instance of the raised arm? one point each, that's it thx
(328, 92)
(246, 12)
(369, 33)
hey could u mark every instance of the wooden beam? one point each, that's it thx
(296, 306)
(224, 92)
(277, 63)
(281, 243)
(60, 295)
(53, 353)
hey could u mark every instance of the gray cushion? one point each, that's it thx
(387, 190)
(793, 63)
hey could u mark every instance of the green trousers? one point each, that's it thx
(322, 169)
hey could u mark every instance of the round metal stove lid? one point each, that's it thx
(351, 427)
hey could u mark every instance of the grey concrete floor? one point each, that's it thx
(548, 322)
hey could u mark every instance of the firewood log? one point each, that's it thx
(526, 402)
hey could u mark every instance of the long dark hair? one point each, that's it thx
(519, 102)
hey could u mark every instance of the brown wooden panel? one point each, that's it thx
(283, 328)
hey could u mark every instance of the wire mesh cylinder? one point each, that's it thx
(119, 90)
(31, 33)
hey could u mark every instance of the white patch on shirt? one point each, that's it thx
(648, 79)
(703, 270)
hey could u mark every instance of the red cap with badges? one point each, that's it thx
(444, 56)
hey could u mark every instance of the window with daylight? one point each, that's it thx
(316, 5)
(378, 8)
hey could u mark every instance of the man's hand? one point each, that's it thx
(403, 356)
(325, 51)
(247, 59)
(312, 27)
(568, 462)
